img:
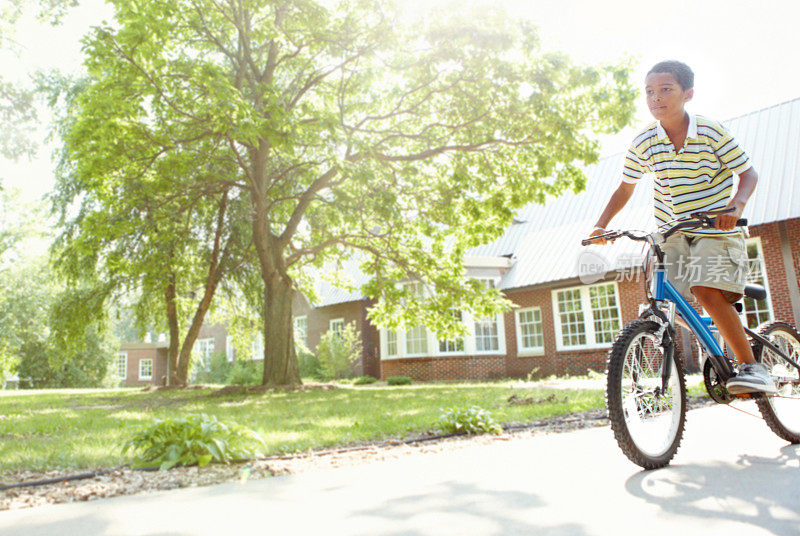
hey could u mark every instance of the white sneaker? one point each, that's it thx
(751, 378)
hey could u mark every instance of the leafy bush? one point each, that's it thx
(245, 372)
(308, 363)
(473, 420)
(218, 369)
(338, 353)
(192, 439)
(399, 380)
(364, 380)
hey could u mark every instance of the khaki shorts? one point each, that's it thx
(706, 261)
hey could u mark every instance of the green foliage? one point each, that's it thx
(245, 372)
(308, 363)
(338, 353)
(472, 420)
(218, 369)
(399, 380)
(338, 141)
(194, 439)
(364, 380)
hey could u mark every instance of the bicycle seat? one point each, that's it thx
(757, 292)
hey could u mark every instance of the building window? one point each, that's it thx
(146, 369)
(417, 341)
(230, 355)
(452, 346)
(122, 365)
(391, 343)
(530, 335)
(417, 336)
(203, 348)
(257, 347)
(756, 311)
(301, 330)
(487, 331)
(336, 326)
(603, 300)
(586, 317)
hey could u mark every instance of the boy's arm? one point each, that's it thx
(618, 200)
(747, 183)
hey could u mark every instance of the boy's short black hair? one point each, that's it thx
(683, 73)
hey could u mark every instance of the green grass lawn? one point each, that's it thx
(83, 429)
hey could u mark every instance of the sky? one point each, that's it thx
(740, 51)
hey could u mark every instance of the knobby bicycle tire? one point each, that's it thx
(615, 404)
(766, 405)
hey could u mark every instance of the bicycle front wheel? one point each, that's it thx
(782, 411)
(647, 420)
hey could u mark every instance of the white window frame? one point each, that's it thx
(499, 323)
(763, 266)
(433, 339)
(588, 317)
(455, 341)
(141, 368)
(385, 342)
(124, 356)
(296, 325)
(336, 325)
(201, 348)
(230, 353)
(522, 350)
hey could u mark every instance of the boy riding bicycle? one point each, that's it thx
(693, 159)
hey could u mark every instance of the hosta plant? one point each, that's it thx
(193, 439)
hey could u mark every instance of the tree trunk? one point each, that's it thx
(174, 332)
(280, 360)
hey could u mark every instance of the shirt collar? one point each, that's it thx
(691, 132)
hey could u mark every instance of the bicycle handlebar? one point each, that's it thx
(694, 223)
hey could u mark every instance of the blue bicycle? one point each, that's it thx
(646, 386)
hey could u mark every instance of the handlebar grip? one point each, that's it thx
(741, 222)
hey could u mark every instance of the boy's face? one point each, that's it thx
(665, 97)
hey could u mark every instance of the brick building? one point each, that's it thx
(145, 363)
(559, 324)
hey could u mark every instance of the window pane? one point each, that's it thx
(604, 312)
(570, 312)
(391, 343)
(417, 341)
(530, 329)
(756, 312)
(452, 345)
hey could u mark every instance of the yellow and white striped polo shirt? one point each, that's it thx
(698, 177)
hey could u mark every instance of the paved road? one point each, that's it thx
(732, 476)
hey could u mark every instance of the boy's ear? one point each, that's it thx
(688, 95)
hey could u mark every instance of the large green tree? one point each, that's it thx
(354, 130)
(162, 236)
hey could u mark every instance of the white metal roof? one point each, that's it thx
(545, 239)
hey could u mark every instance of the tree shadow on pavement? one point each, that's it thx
(759, 491)
(464, 508)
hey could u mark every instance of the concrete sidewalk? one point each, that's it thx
(731, 476)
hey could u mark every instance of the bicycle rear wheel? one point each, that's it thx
(782, 411)
(647, 422)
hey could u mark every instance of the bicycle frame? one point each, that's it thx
(663, 291)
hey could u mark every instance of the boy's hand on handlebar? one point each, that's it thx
(727, 221)
(597, 231)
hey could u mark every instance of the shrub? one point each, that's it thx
(338, 353)
(364, 380)
(245, 372)
(192, 439)
(307, 363)
(473, 420)
(399, 380)
(218, 369)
